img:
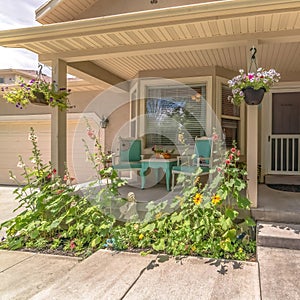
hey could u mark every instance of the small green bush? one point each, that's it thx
(54, 216)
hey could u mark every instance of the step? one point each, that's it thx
(282, 179)
(276, 215)
(278, 235)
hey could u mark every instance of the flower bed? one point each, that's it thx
(205, 221)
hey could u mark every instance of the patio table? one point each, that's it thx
(157, 163)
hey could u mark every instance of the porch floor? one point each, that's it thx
(277, 206)
(273, 205)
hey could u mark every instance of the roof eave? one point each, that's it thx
(212, 10)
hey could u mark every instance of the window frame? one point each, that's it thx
(188, 81)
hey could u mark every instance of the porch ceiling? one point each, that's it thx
(209, 34)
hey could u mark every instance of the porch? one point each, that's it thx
(277, 206)
(273, 205)
(205, 43)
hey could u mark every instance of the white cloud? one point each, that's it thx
(18, 14)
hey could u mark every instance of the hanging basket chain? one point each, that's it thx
(253, 59)
(39, 73)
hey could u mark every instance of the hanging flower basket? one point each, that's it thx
(259, 82)
(38, 99)
(37, 91)
(252, 96)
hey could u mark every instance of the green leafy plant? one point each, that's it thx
(157, 149)
(260, 79)
(207, 220)
(53, 215)
(37, 90)
(108, 197)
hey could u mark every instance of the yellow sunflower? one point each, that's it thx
(197, 199)
(216, 199)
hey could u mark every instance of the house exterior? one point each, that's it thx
(131, 45)
(15, 126)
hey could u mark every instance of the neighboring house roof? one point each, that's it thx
(18, 72)
(115, 48)
(76, 84)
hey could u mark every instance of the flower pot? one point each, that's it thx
(157, 155)
(252, 96)
(39, 99)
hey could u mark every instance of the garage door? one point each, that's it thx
(14, 142)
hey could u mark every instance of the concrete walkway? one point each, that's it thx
(112, 275)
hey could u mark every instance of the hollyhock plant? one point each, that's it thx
(261, 79)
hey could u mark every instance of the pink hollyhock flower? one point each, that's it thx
(91, 134)
(72, 245)
(215, 137)
(238, 153)
(233, 150)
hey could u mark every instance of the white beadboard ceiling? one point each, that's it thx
(206, 39)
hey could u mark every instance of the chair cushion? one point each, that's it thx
(189, 169)
(185, 169)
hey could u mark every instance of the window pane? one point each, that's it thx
(228, 108)
(173, 110)
(230, 129)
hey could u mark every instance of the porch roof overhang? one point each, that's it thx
(111, 49)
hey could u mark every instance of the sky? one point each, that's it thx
(18, 14)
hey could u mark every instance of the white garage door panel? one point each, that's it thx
(14, 142)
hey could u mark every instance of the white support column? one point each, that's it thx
(252, 152)
(252, 138)
(59, 121)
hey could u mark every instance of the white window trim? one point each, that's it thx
(153, 82)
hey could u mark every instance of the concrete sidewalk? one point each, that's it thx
(112, 275)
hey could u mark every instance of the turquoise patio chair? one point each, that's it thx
(129, 155)
(189, 164)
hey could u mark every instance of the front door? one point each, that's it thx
(284, 140)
